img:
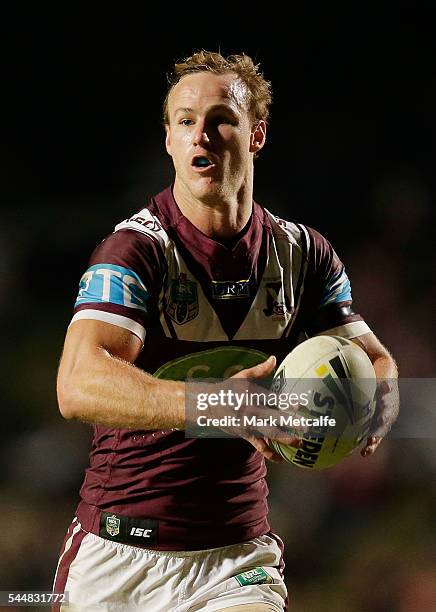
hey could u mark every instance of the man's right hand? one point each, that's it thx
(259, 371)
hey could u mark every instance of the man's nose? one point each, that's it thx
(200, 134)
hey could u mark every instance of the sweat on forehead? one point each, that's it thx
(225, 85)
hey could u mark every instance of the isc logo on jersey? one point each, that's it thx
(115, 284)
(140, 532)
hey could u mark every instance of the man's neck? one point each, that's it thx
(218, 219)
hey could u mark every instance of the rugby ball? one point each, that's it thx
(332, 378)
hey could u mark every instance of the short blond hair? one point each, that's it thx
(259, 89)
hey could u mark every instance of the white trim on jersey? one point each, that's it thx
(302, 272)
(283, 268)
(349, 330)
(207, 327)
(148, 224)
(113, 319)
(284, 275)
(278, 286)
(284, 229)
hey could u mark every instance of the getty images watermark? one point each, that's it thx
(276, 410)
(329, 407)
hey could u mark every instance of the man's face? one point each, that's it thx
(210, 135)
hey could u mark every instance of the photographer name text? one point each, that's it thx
(270, 421)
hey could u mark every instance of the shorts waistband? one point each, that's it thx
(153, 534)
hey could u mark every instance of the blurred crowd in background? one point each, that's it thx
(351, 152)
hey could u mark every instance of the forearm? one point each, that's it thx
(383, 363)
(384, 367)
(388, 401)
(112, 392)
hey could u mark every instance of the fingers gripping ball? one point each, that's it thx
(337, 380)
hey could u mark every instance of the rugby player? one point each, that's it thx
(203, 281)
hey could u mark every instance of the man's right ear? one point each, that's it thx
(168, 140)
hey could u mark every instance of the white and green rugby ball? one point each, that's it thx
(337, 380)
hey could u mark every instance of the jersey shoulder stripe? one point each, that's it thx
(287, 230)
(146, 223)
(337, 289)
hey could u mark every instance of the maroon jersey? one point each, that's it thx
(208, 309)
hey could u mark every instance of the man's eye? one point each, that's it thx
(186, 122)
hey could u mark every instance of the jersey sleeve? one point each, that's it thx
(122, 282)
(327, 302)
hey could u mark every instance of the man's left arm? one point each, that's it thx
(327, 308)
(388, 404)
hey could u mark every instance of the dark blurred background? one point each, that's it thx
(351, 151)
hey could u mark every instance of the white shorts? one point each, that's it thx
(102, 575)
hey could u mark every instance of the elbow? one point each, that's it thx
(68, 402)
(384, 355)
(385, 365)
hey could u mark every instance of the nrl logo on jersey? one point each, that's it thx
(183, 300)
(113, 525)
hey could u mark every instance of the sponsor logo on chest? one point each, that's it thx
(230, 290)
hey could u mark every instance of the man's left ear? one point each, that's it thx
(167, 140)
(258, 136)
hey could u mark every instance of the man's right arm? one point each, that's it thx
(98, 383)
